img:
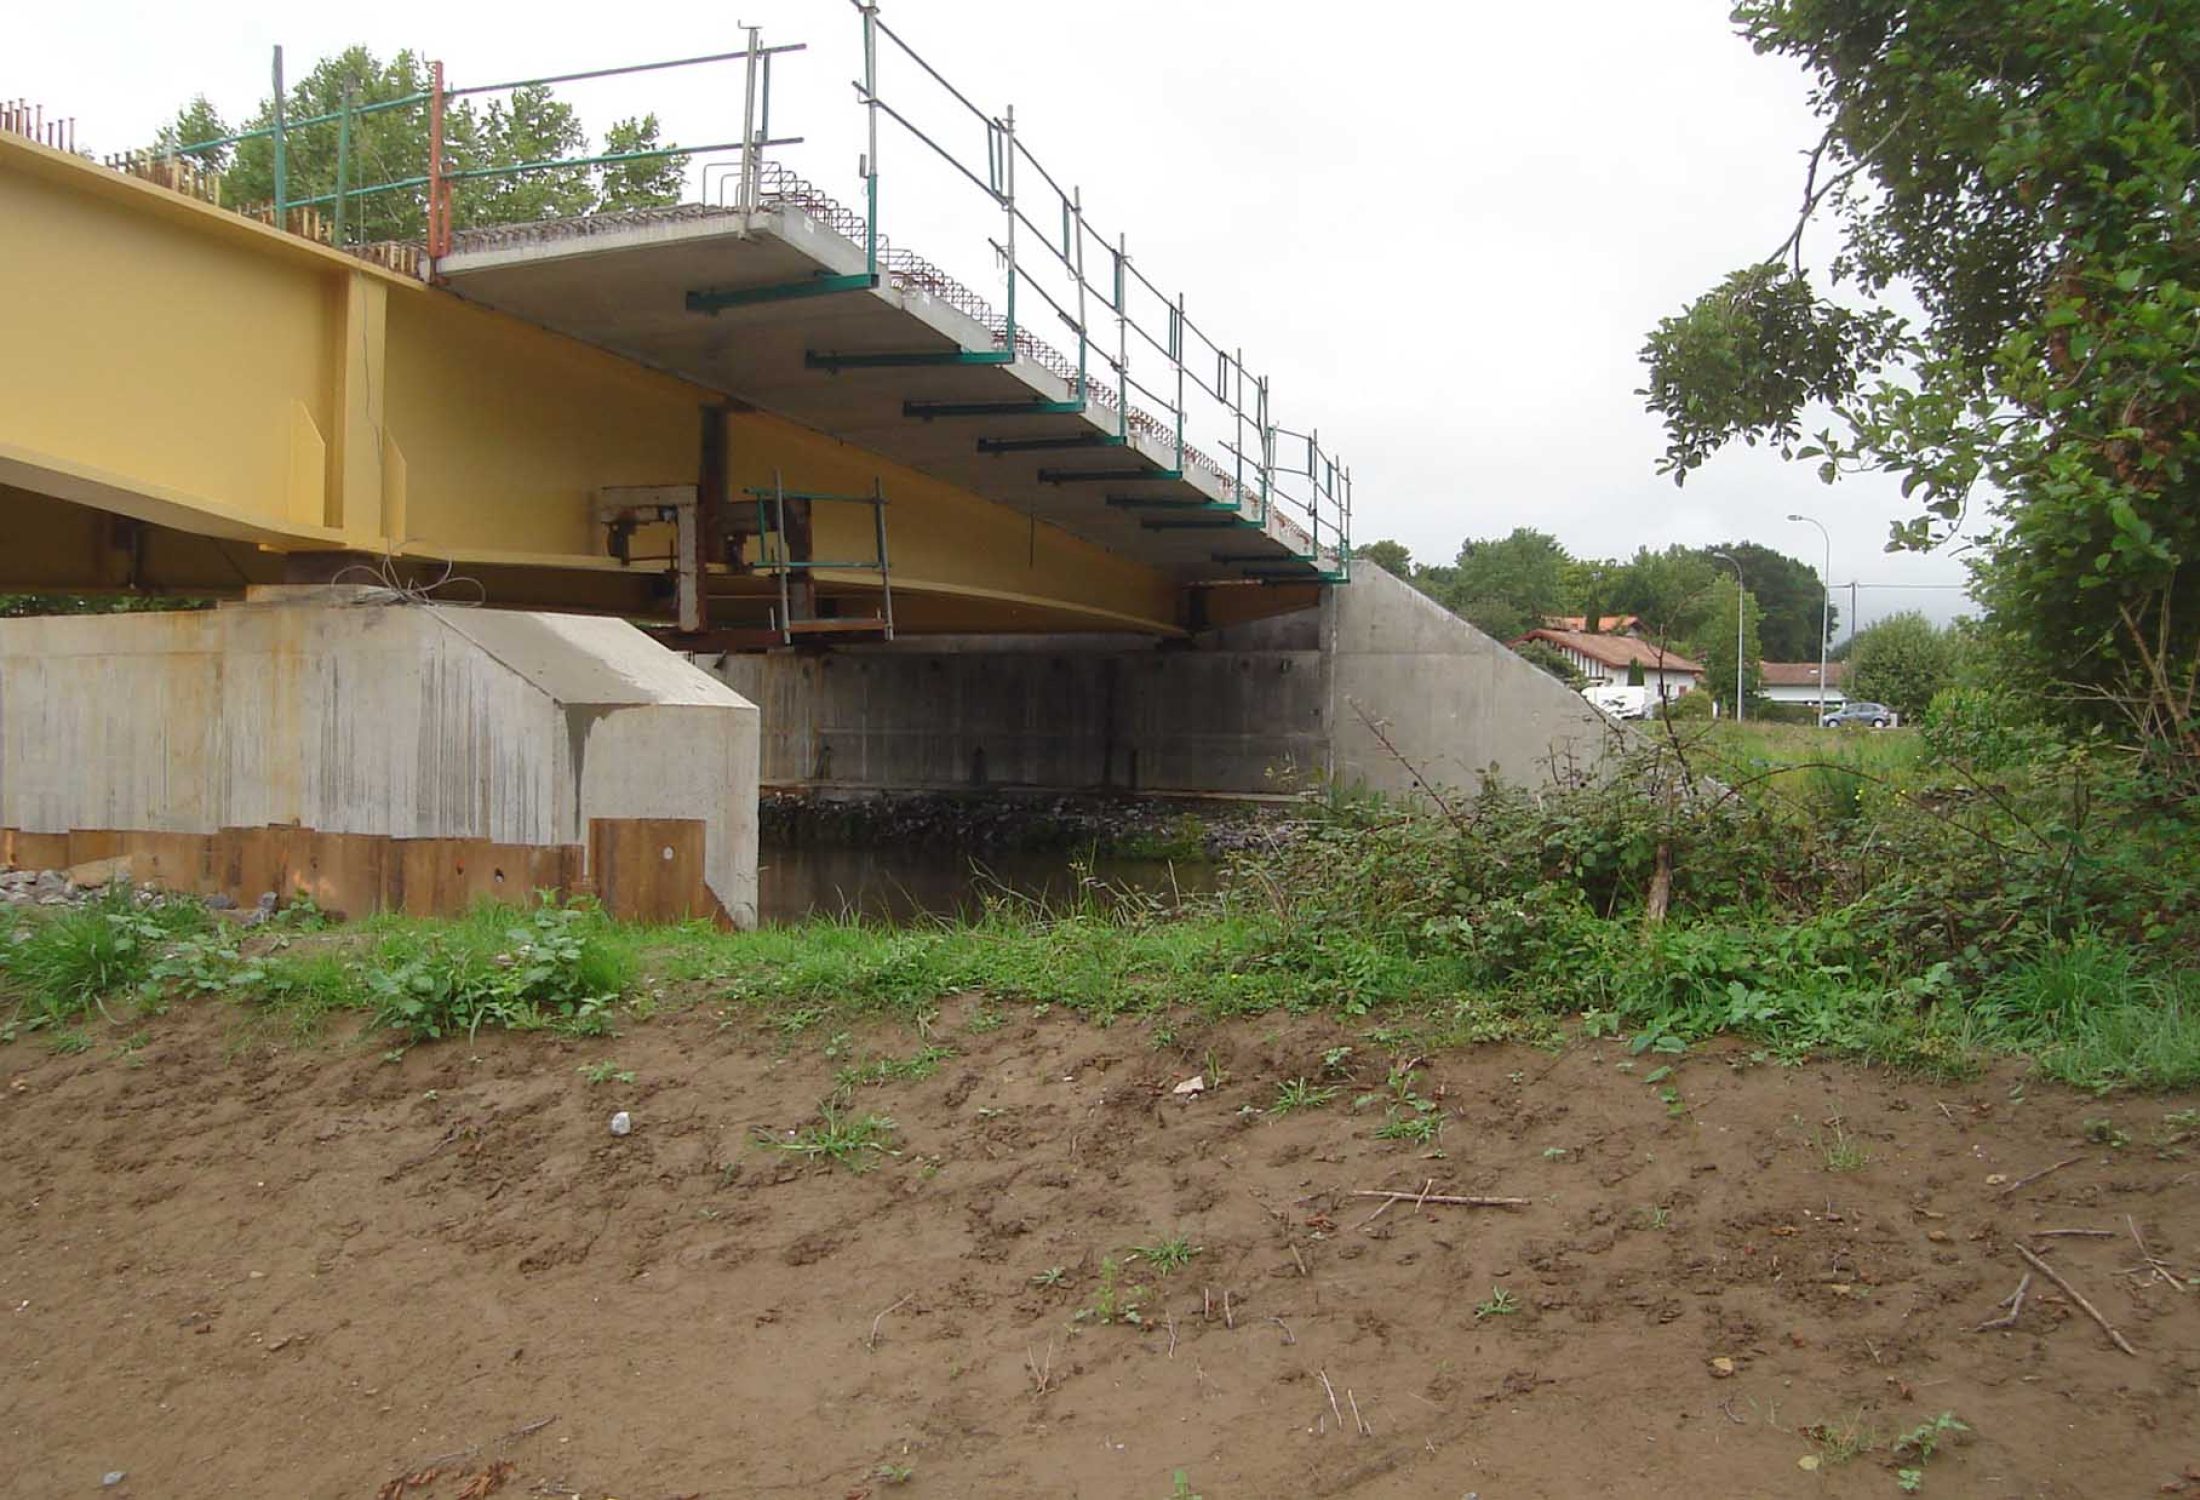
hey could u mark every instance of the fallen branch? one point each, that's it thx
(1453, 1200)
(2014, 1302)
(2076, 1296)
(2042, 1172)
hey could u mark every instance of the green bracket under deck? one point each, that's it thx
(1109, 476)
(928, 410)
(907, 359)
(1267, 559)
(1194, 523)
(785, 291)
(1036, 445)
(1169, 502)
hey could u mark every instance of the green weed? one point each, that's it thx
(604, 1070)
(1499, 1304)
(1298, 1094)
(853, 1144)
(1113, 1302)
(1171, 1254)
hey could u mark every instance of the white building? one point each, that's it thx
(1797, 682)
(1608, 660)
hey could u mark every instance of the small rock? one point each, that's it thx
(221, 901)
(1996, 1179)
(1196, 1084)
(1722, 1368)
(622, 1123)
(1939, 1236)
(111, 1478)
(1808, 1463)
(50, 883)
(268, 901)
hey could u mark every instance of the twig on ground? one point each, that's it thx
(872, 1341)
(1332, 1398)
(1041, 1375)
(1172, 1335)
(529, 1430)
(2176, 1282)
(1951, 1114)
(1727, 1406)
(1388, 1204)
(2027, 1181)
(1288, 1337)
(1301, 1260)
(1454, 1200)
(1229, 1318)
(2071, 1234)
(1357, 1420)
(2014, 1302)
(1206, 1304)
(1422, 1201)
(2076, 1296)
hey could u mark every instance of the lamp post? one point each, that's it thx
(1741, 610)
(1825, 616)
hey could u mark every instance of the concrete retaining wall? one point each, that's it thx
(321, 709)
(1274, 706)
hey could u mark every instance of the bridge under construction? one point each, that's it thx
(813, 464)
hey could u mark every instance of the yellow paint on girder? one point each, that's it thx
(170, 361)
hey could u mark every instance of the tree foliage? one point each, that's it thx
(2026, 171)
(1714, 641)
(1391, 557)
(1902, 661)
(389, 145)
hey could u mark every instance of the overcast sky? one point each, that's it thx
(1444, 230)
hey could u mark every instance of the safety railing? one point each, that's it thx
(1074, 300)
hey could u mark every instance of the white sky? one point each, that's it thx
(1444, 230)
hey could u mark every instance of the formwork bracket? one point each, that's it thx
(718, 299)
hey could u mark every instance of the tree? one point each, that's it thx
(389, 145)
(1552, 660)
(531, 125)
(1788, 592)
(1665, 590)
(655, 183)
(1508, 584)
(2025, 170)
(1391, 557)
(195, 122)
(1901, 661)
(1713, 643)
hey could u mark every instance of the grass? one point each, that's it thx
(1172, 1254)
(1843, 1152)
(850, 1143)
(1499, 1304)
(1298, 1094)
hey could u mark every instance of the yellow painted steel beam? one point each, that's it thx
(172, 362)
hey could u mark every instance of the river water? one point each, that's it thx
(796, 882)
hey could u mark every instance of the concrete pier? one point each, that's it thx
(1275, 706)
(488, 738)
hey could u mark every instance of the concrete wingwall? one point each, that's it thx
(335, 712)
(1274, 706)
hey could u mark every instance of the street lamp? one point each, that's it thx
(1825, 616)
(1741, 602)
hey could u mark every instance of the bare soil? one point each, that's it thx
(234, 1267)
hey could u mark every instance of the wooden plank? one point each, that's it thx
(179, 862)
(649, 869)
(250, 862)
(37, 851)
(348, 875)
(444, 877)
(87, 844)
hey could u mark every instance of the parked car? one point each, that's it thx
(1878, 715)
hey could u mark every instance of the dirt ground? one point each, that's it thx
(234, 1267)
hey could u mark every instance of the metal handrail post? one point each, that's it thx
(1122, 339)
(439, 230)
(343, 162)
(870, 155)
(1176, 357)
(282, 163)
(748, 130)
(1008, 201)
(1077, 212)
